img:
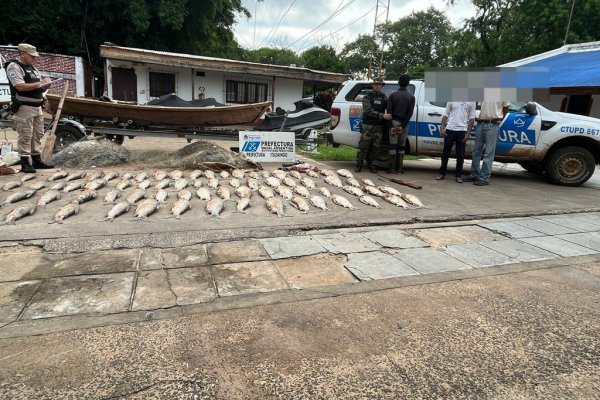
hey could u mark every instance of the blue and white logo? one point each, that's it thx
(251, 146)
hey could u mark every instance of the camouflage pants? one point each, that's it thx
(369, 143)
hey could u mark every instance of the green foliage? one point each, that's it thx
(357, 54)
(327, 152)
(324, 99)
(323, 58)
(270, 55)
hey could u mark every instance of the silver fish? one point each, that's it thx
(374, 191)
(136, 195)
(289, 181)
(368, 200)
(390, 190)
(296, 174)
(123, 184)
(127, 175)
(353, 190)
(18, 212)
(196, 174)
(342, 201)
(224, 174)
(59, 185)
(203, 194)
(111, 175)
(253, 175)
(312, 174)
(396, 200)
(159, 174)
(266, 192)
(96, 184)
(333, 181)
(118, 209)
(198, 183)
(48, 197)
(85, 195)
(214, 206)
(176, 174)
(112, 195)
(252, 183)
(161, 195)
(58, 175)
(224, 193)
(238, 173)
(265, 174)
(345, 173)
(243, 192)
(272, 181)
(234, 182)
(180, 183)
(275, 205)
(318, 202)
(66, 212)
(75, 175)
(209, 174)
(328, 172)
(413, 200)
(142, 176)
(302, 191)
(367, 182)
(300, 203)
(325, 192)
(184, 194)
(145, 184)
(145, 208)
(179, 207)
(212, 183)
(163, 184)
(242, 204)
(73, 186)
(308, 183)
(27, 177)
(353, 182)
(11, 185)
(38, 185)
(285, 192)
(25, 194)
(279, 174)
(94, 175)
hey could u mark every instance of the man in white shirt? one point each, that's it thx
(456, 126)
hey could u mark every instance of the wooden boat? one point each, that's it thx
(135, 114)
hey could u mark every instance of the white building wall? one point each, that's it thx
(287, 91)
(213, 84)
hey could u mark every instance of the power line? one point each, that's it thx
(276, 26)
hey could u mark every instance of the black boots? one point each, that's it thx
(25, 166)
(359, 165)
(399, 163)
(37, 163)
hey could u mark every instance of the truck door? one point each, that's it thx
(518, 135)
(427, 126)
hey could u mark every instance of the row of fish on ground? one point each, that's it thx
(291, 186)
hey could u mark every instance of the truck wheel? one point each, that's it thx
(570, 166)
(534, 168)
(65, 136)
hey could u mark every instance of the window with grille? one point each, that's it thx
(161, 83)
(245, 92)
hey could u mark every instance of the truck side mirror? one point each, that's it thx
(530, 109)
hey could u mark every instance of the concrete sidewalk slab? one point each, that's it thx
(545, 227)
(579, 223)
(292, 246)
(394, 238)
(441, 237)
(427, 260)
(94, 263)
(519, 251)
(558, 246)
(346, 242)
(251, 277)
(591, 240)
(189, 256)
(150, 259)
(377, 265)
(477, 255)
(14, 296)
(192, 285)
(19, 266)
(510, 229)
(231, 252)
(109, 293)
(314, 271)
(153, 291)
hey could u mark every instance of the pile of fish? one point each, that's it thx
(145, 194)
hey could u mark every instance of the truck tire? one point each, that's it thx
(570, 166)
(65, 136)
(532, 167)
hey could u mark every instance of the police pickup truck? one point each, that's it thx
(565, 147)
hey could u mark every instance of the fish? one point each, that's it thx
(58, 185)
(353, 190)
(312, 174)
(209, 174)
(328, 172)
(253, 175)
(118, 209)
(145, 208)
(242, 204)
(161, 195)
(234, 182)
(308, 183)
(75, 175)
(198, 183)
(163, 184)
(127, 175)
(285, 192)
(73, 186)
(176, 174)
(266, 192)
(39, 185)
(302, 191)
(13, 198)
(252, 183)
(48, 197)
(289, 181)
(390, 190)
(214, 206)
(318, 202)
(368, 200)
(367, 182)
(345, 173)
(212, 183)
(65, 212)
(396, 200)
(85, 195)
(159, 174)
(353, 182)
(333, 181)
(275, 205)
(196, 174)
(18, 212)
(141, 176)
(279, 174)
(224, 193)
(112, 195)
(342, 201)
(58, 175)
(300, 203)
(272, 181)
(136, 195)
(412, 199)
(111, 175)
(96, 184)
(265, 174)
(123, 184)
(180, 183)
(94, 175)
(180, 206)
(145, 184)
(184, 194)
(203, 194)
(11, 185)
(325, 192)
(238, 173)
(372, 190)
(27, 177)
(224, 174)
(243, 192)
(296, 174)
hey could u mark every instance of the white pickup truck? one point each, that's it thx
(565, 147)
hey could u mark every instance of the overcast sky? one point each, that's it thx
(302, 24)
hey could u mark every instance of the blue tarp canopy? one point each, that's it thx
(571, 69)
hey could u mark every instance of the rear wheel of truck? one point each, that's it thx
(65, 136)
(532, 167)
(570, 166)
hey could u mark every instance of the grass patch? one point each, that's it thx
(326, 152)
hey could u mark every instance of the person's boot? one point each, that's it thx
(39, 164)
(359, 165)
(399, 163)
(373, 168)
(25, 166)
(390, 168)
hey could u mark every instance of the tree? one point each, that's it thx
(270, 55)
(357, 54)
(323, 58)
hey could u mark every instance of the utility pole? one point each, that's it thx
(569, 23)
(382, 12)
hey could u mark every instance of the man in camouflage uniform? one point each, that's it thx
(374, 104)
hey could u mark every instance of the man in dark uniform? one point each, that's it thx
(401, 105)
(27, 89)
(374, 115)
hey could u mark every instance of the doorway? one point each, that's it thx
(124, 84)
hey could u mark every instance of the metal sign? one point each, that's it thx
(268, 146)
